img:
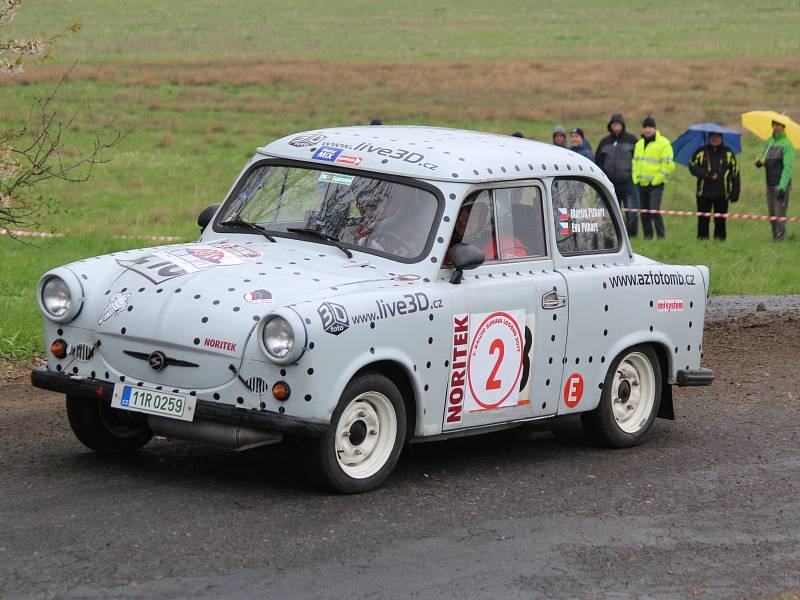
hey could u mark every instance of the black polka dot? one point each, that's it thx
(196, 341)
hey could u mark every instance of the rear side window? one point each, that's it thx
(584, 222)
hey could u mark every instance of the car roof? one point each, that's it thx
(434, 153)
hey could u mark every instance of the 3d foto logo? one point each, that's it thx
(334, 317)
(326, 153)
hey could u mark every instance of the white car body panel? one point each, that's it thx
(210, 314)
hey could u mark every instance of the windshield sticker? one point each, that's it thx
(326, 153)
(163, 265)
(353, 161)
(336, 178)
(258, 297)
(116, 304)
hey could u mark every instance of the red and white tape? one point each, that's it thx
(47, 234)
(693, 213)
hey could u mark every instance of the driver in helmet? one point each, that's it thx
(474, 225)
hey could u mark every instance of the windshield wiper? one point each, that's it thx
(313, 232)
(251, 226)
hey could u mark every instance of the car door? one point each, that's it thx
(589, 244)
(510, 314)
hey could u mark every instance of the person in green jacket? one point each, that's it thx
(777, 160)
(652, 164)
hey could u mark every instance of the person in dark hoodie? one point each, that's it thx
(579, 144)
(717, 174)
(615, 157)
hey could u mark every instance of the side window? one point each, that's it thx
(584, 223)
(504, 223)
(475, 224)
(520, 222)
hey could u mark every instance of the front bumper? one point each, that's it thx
(204, 410)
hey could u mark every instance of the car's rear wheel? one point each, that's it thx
(630, 400)
(104, 429)
(365, 439)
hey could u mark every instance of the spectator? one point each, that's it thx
(560, 136)
(579, 143)
(376, 122)
(777, 160)
(652, 164)
(615, 157)
(717, 174)
(517, 134)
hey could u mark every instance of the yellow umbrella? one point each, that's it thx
(760, 123)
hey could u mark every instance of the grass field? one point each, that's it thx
(197, 87)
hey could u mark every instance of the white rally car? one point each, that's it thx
(363, 287)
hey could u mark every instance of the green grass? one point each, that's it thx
(187, 30)
(187, 140)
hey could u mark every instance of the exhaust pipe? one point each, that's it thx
(209, 432)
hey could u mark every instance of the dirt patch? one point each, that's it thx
(678, 91)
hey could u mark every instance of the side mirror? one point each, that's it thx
(206, 215)
(464, 257)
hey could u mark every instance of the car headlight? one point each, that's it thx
(56, 297)
(60, 295)
(283, 336)
(278, 337)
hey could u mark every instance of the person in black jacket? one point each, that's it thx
(614, 155)
(717, 174)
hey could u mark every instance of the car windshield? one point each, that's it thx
(370, 214)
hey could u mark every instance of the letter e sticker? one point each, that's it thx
(573, 390)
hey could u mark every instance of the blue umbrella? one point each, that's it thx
(697, 136)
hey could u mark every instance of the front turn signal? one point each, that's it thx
(59, 348)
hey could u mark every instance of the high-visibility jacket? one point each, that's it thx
(652, 163)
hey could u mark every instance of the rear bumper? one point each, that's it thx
(695, 377)
(204, 410)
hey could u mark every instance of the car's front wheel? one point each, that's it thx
(630, 400)
(104, 429)
(365, 439)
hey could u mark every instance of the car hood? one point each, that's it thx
(199, 303)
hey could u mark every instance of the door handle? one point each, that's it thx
(552, 300)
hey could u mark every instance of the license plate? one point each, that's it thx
(153, 402)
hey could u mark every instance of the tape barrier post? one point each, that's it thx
(48, 234)
(693, 213)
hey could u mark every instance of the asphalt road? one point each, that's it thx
(709, 508)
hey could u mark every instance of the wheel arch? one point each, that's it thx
(401, 377)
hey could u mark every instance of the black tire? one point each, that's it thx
(104, 429)
(601, 425)
(371, 396)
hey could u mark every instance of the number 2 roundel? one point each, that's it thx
(494, 364)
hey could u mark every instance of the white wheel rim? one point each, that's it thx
(633, 392)
(365, 435)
